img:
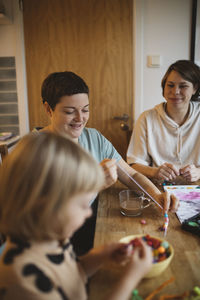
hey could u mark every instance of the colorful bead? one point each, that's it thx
(161, 258)
(161, 228)
(143, 222)
(165, 244)
(196, 290)
(149, 243)
(155, 252)
(161, 249)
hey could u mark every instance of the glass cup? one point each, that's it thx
(132, 202)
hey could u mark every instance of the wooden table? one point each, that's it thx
(112, 226)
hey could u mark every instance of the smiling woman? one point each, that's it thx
(165, 143)
(178, 93)
(66, 100)
(69, 116)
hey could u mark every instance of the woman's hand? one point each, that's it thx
(190, 173)
(167, 172)
(110, 171)
(168, 202)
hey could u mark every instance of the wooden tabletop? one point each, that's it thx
(111, 226)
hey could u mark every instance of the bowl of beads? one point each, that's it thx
(162, 252)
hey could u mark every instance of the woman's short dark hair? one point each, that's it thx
(189, 71)
(60, 84)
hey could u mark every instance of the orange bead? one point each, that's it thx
(161, 249)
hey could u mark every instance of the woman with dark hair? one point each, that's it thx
(65, 97)
(165, 143)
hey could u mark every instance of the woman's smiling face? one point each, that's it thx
(178, 91)
(70, 115)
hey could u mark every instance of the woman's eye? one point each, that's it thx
(86, 110)
(183, 86)
(68, 112)
(170, 85)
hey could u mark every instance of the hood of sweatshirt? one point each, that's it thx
(176, 129)
(193, 111)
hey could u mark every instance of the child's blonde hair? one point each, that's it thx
(36, 181)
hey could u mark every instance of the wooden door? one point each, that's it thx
(93, 38)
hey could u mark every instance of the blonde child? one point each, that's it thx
(46, 184)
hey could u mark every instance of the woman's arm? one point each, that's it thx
(147, 171)
(166, 171)
(140, 178)
(165, 200)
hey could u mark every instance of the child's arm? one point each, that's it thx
(137, 265)
(93, 260)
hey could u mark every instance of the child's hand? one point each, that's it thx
(110, 171)
(139, 263)
(96, 257)
(125, 254)
(121, 253)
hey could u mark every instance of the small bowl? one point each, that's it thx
(158, 267)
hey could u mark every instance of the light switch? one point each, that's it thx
(153, 61)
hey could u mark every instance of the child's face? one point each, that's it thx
(77, 211)
(70, 115)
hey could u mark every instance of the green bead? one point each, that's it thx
(196, 289)
(193, 224)
(135, 292)
(135, 295)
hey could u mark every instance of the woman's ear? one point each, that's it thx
(48, 109)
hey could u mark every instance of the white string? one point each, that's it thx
(139, 186)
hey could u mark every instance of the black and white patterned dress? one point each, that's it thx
(45, 271)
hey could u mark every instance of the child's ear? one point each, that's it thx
(48, 109)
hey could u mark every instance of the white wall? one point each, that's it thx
(197, 45)
(162, 27)
(12, 44)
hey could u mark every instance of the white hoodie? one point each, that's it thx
(157, 139)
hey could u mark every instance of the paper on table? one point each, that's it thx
(189, 196)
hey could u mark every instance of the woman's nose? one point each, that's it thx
(176, 90)
(79, 116)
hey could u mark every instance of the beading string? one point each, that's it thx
(139, 186)
(166, 223)
(165, 226)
